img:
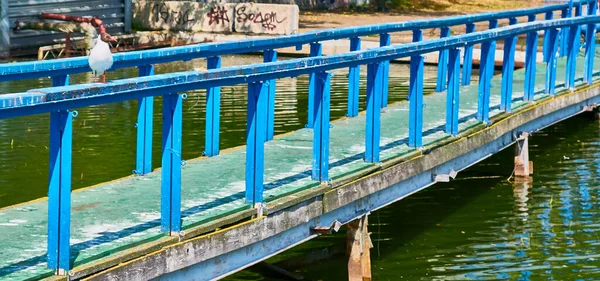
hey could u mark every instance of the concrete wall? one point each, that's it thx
(216, 17)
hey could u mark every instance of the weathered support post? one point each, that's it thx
(4, 30)
(523, 167)
(316, 49)
(170, 203)
(508, 68)
(548, 16)
(127, 16)
(385, 40)
(572, 52)
(320, 160)
(255, 139)
(590, 45)
(530, 62)
(415, 96)
(271, 56)
(373, 124)
(358, 247)
(452, 96)
(564, 33)
(442, 63)
(353, 81)
(59, 186)
(213, 113)
(468, 58)
(143, 162)
(551, 62)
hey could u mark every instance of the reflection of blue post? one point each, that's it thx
(508, 67)
(316, 49)
(213, 113)
(551, 64)
(320, 160)
(442, 63)
(415, 96)
(143, 163)
(255, 138)
(59, 188)
(170, 203)
(530, 61)
(385, 40)
(271, 56)
(452, 96)
(353, 81)
(468, 58)
(590, 45)
(373, 126)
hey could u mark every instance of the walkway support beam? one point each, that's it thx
(373, 124)
(59, 186)
(271, 56)
(320, 160)
(508, 68)
(255, 139)
(354, 81)
(452, 96)
(170, 198)
(316, 50)
(385, 40)
(531, 46)
(442, 63)
(143, 162)
(213, 113)
(523, 167)
(415, 96)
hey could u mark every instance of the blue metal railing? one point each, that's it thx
(59, 100)
(145, 60)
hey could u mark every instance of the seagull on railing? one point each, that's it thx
(100, 57)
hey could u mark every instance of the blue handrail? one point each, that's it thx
(61, 99)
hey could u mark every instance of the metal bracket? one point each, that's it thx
(335, 226)
(260, 208)
(445, 177)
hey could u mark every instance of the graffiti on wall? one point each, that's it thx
(268, 20)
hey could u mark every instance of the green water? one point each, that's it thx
(478, 227)
(481, 226)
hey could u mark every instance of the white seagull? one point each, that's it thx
(100, 57)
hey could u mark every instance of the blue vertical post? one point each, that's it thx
(373, 124)
(316, 49)
(564, 33)
(552, 58)
(271, 56)
(170, 198)
(442, 63)
(415, 96)
(530, 62)
(468, 58)
(385, 40)
(486, 66)
(508, 67)
(572, 52)
(547, 16)
(59, 187)
(213, 113)
(320, 160)
(590, 45)
(452, 96)
(255, 138)
(353, 81)
(143, 162)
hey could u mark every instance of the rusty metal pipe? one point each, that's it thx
(95, 21)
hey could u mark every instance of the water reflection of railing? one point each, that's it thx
(59, 101)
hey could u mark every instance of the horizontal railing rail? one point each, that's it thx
(59, 102)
